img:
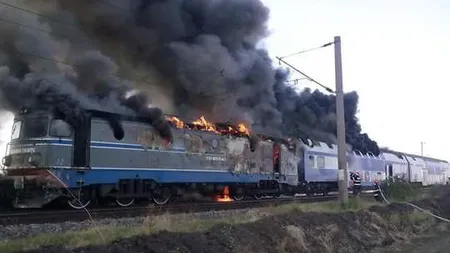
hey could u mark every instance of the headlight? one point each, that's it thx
(34, 159)
(6, 161)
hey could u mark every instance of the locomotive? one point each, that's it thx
(52, 160)
(49, 160)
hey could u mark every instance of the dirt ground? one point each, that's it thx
(436, 243)
(378, 229)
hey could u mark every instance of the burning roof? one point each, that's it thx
(204, 125)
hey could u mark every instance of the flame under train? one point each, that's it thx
(50, 160)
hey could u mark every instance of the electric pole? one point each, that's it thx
(421, 148)
(340, 115)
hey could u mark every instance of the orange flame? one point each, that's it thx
(176, 121)
(205, 125)
(243, 129)
(225, 196)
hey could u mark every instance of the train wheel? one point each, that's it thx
(238, 197)
(124, 202)
(257, 196)
(162, 196)
(80, 200)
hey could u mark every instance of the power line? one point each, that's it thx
(308, 50)
(116, 6)
(305, 75)
(38, 14)
(24, 26)
(295, 81)
(45, 58)
(72, 41)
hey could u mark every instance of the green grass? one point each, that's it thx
(169, 222)
(402, 191)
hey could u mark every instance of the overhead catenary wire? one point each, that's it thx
(307, 76)
(308, 50)
(39, 14)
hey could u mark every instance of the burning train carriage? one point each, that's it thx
(104, 158)
(43, 148)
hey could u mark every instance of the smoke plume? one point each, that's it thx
(189, 57)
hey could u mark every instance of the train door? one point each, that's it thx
(276, 160)
(425, 176)
(288, 162)
(389, 171)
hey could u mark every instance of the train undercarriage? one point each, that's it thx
(30, 192)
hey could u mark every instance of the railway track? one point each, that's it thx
(40, 216)
(56, 216)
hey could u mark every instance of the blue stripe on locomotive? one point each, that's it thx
(102, 175)
(98, 175)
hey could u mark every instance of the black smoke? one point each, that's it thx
(189, 57)
(313, 114)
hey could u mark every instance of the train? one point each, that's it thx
(51, 160)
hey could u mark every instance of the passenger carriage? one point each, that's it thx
(434, 171)
(370, 167)
(416, 169)
(318, 170)
(396, 165)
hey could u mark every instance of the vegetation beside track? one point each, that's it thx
(172, 223)
(185, 223)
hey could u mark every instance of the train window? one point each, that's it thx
(35, 127)
(390, 170)
(15, 133)
(60, 128)
(321, 162)
(305, 141)
(311, 161)
(315, 143)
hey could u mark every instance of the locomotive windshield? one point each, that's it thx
(59, 128)
(15, 133)
(39, 124)
(35, 127)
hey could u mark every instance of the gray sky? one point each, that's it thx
(395, 55)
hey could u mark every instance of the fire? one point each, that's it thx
(225, 197)
(205, 125)
(176, 121)
(243, 129)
